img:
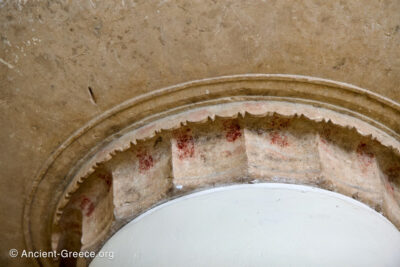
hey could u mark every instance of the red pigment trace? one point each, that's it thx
(389, 188)
(324, 145)
(107, 178)
(146, 161)
(185, 144)
(323, 140)
(326, 134)
(326, 137)
(233, 131)
(279, 123)
(279, 140)
(365, 157)
(87, 205)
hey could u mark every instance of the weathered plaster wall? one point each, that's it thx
(52, 51)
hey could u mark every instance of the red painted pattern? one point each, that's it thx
(107, 178)
(233, 131)
(185, 144)
(87, 206)
(278, 139)
(146, 161)
(279, 123)
(364, 156)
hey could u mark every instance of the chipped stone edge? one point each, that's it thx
(30, 241)
(208, 114)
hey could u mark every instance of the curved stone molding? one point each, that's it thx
(152, 131)
(263, 147)
(231, 110)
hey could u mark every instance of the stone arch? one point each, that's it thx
(192, 134)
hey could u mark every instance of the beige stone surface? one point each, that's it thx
(209, 154)
(226, 150)
(52, 52)
(143, 175)
(282, 149)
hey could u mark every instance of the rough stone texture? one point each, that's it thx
(208, 155)
(338, 165)
(53, 51)
(281, 149)
(143, 175)
(226, 151)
